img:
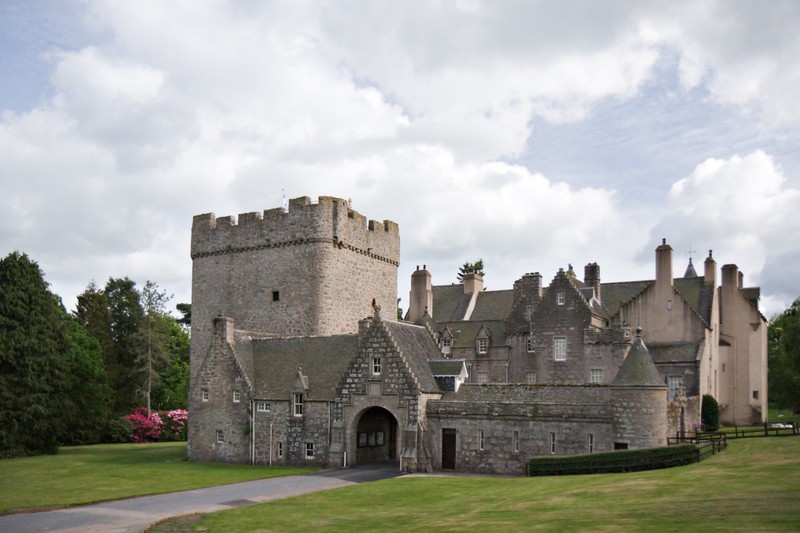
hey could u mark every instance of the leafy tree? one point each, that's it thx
(470, 268)
(154, 303)
(33, 369)
(171, 390)
(186, 311)
(784, 357)
(709, 413)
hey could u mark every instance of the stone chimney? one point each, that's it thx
(421, 294)
(710, 274)
(664, 264)
(591, 278)
(730, 277)
(223, 329)
(473, 283)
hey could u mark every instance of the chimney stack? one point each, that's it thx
(421, 294)
(591, 278)
(710, 273)
(664, 264)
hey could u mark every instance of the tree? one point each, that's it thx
(171, 389)
(154, 303)
(186, 311)
(784, 357)
(33, 369)
(470, 268)
(126, 316)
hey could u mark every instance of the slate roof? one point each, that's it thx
(638, 368)
(323, 359)
(675, 352)
(614, 295)
(690, 271)
(449, 302)
(492, 305)
(697, 294)
(465, 332)
(447, 367)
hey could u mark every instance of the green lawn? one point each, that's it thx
(753, 486)
(87, 474)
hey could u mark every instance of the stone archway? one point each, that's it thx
(376, 436)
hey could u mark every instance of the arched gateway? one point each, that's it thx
(376, 436)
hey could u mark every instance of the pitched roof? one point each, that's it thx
(418, 349)
(697, 294)
(323, 360)
(675, 352)
(616, 294)
(493, 305)
(449, 302)
(638, 369)
(466, 331)
(447, 367)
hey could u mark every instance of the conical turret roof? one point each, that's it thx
(638, 369)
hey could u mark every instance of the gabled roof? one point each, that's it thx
(493, 305)
(697, 294)
(447, 367)
(418, 349)
(323, 361)
(465, 332)
(449, 302)
(615, 295)
(638, 369)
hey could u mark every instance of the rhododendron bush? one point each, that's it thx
(158, 426)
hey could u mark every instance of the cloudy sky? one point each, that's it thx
(530, 134)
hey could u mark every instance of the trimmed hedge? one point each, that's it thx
(617, 461)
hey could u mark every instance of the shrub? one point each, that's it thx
(617, 461)
(118, 431)
(145, 428)
(174, 424)
(709, 413)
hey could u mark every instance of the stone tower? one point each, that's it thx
(311, 269)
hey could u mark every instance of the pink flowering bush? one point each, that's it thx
(145, 428)
(175, 424)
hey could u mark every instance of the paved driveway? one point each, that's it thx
(135, 514)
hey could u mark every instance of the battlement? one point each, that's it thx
(330, 220)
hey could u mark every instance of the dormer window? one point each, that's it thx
(560, 297)
(297, 404)
(446, 345)
(483, 345)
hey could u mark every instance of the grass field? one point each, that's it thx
(87, 474)
(753, 486)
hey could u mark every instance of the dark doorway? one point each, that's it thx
(448, 449)
(376, 437)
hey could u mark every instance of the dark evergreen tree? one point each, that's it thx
(186, 311)
(171, 389)
(126, 317)
(33, 366)
(470, 268)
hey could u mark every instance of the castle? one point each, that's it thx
(297, 356)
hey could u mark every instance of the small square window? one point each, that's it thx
(483, 345)
(220, 437)
(204, 395)
(309, 450)
(276, 296)
(596, 375)
(755, 395)
(483, 377)
(530, 377)
(237, 396)
(262, 406)
(376, 366)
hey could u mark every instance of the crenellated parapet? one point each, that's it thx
(329, 221)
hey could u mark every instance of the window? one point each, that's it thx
(620, 445)
(237, 396)
(309, 450)
(596, 375)
(481, 440)
(529, 344)
(552, 443)
(591, 443)
(376, 366)
(276, 296)
(560, 348)
(262, 407)
(515, 441)
(483, 345)
(755, 395)
(297, 401)
(280, 449)
(530, 377)
(483, 377)
(529, 312)
(469, 371)
(673, 384)
(446, 344)
(220, 436)
(204, 395)
(560, 297)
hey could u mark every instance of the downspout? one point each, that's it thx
(270, 444)
(252, 432)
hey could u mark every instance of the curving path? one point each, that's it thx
(135, 514)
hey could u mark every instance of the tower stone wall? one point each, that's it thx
(313, 269)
